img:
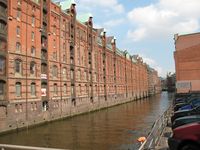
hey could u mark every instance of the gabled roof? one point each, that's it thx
(100, 32)
(65, 4)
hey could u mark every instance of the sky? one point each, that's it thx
(145, 27)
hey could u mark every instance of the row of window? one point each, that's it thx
(18, 67)
(18, 89)
(18, 48)
(18, 33)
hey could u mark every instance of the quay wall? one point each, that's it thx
(20, 120)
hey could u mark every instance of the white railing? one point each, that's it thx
(18, 147)
(156, 132)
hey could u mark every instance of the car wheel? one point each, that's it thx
(190, 147)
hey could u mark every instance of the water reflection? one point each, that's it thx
(114, 128)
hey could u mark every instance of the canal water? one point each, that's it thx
(109, 129)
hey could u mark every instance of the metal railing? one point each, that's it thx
(156, 132)
(17, 147)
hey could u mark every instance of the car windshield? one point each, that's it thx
(196, 102)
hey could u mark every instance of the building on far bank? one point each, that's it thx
(171, 82)
(154, 82)
(54, 64)
(187, 62)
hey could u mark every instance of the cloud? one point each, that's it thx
(112, 5)
(137, 34)
(113, 23)
(163, 19)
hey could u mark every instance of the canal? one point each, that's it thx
(109, 129)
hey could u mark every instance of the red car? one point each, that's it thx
(186, 137)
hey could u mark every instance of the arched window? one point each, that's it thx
(55, 89)
(79, 89)
(2, 65)
(18, 66)
(33, 68)
(44, 68)
(33, 51)
(33, 89)
(18, 31)
(18, 47)
(18, 89)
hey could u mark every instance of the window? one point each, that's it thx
(64, 57)
(19, 2)
(32, 68)
(54, 43)
(55, 71)
(33, 51)
(18, 15)
(32, 36)
(2, 25)
(64, 73)
(64, 46)
(85, 88)
(18, 66)
(18, 89)
(2, 66)
(2, 87)
(79, 75)
(18, 47)
(85, 75)
(72, 74)
(65, 89)
(79, 89)
(55, 89)
(44, 68)
(2, 45)
(45, 105)
(33, 89)
(54, 30)
(18, 31)
(95, 77)
(54, 55)
(33, 21)
(72, 90)
(43, 55)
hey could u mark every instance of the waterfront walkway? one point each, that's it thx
(163, 145)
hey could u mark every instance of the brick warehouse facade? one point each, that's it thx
(54, 64)
(187, 62)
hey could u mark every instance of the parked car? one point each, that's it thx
(191, 103)
(187, 112)
(185, 137)
(186, 98)
(185, 120)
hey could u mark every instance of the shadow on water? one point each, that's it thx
(114, 128)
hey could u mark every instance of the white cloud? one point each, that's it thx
(112, 23)
(137, 34)
(112, 5)
(164, 19)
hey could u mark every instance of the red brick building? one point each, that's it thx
(187, 62)
(55, 64)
